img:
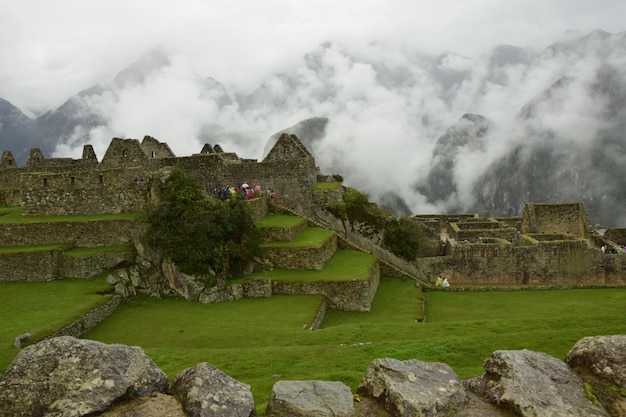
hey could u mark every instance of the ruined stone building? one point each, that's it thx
(551, 244)
(124, 180)
(556, 244)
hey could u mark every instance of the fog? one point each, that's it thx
(391, 77)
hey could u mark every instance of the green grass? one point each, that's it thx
(344, 265)
(261, 341)
(14, 215)
(311, 237)
(43, 307)
(79, 252)
(6, 250)
(280, 220)
(327, 186)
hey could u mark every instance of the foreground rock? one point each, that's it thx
(604, 356)
(156, 405)
(206, 391)
(413, 388)
(311, 399)
(533, 384)
(65, 376)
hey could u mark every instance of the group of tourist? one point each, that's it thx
(242, 191)
(614, 249)
(442, 282)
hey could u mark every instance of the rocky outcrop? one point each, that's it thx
(205, 391)
(413, 388)
(311, 399)
(604, 356)
(533, 384)
(65, 376)
(71, 377)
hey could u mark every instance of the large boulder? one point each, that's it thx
(206, 391)
(311, 399)
(65, 376)
(604, 356)
(413, 387)
(533, 384)
(156, 405)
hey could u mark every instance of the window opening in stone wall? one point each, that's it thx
(495, 253)
(124, 153)
(101, 179)
(45, 182)
(554, 251)
(73, 180)
(153, 154)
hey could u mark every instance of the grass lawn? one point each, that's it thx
(261, 341)
(311, 237)
(42, 308)
(344, 265)
(280, 220)
(14, 215)
(327, 186)
(5, 250)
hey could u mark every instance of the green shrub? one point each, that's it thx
(198, 234)
(404, 238)
(337, 177)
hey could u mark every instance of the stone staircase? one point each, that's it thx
(394, 265)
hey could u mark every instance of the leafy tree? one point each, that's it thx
(199, 234)
(404, 238)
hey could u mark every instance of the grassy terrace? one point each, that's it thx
(327, 186)
(44, 307)
(14, 215)
(344, 265)
(280, 220)
(311, 237)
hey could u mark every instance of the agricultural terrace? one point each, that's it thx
(261, 341)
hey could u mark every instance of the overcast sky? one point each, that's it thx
(50, 50)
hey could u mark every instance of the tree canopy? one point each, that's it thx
(199, 234)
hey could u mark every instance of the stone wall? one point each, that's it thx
(51, 265)
(300, 257)
(89, 266)
(284, 234)
(125, 179)
(84, 233)
(30, 266)
(75, 190)
(559, 218)
(325, 198)
(89, 320)
(472, 232)
(356, 295)
(539, 262)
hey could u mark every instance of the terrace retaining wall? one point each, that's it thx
(355, 295)
(301, 257)
(89, 320)
(82, 233)
(51, 265)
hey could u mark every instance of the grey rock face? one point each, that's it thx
(533, 384)
(605, 356)
(157, 405)
(206, 391)
(413, 387)
(65, 376)
(311, 399)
